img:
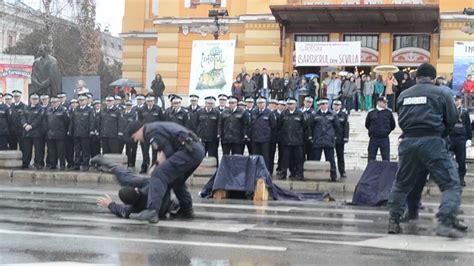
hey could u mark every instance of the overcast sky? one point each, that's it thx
(110, 13)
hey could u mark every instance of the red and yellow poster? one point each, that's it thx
(15, 73)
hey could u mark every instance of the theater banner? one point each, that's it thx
(15, 73)
(212, 67)
(327, 53)
(463, 64)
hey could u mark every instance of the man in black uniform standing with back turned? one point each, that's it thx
(425, 113)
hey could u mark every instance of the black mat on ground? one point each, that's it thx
(375, 184)
(238, 174)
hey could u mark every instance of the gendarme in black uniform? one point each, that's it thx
(380, 123)
(425, 113)
(57, 126)
(461, 132)
(148, 114)
(183, 153)
(110, 131)
(4, 122)
(232, 129)
(33, 125)
(207, 120)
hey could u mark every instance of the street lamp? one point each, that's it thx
(217, 28)
(469, 26)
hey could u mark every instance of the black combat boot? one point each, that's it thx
(446, 228)
(394, 227)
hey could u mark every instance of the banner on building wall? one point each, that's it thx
(15, 73)
(327, 53)
(463, 63)
(212, 67)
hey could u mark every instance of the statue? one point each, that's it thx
(45, 77)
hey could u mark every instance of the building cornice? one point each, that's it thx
(234, 20)
(138, 35)
(456, 16)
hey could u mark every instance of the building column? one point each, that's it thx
(167, 57)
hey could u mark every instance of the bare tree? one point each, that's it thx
(90, 39)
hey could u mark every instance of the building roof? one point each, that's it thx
(358, 18)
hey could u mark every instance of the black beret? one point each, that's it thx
(426, 70)
(134, 127)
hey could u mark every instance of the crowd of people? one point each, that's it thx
(255, 117)
(356, 91)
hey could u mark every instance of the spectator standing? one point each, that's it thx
(355, 99)
(264, 84)
(242, 74)
(468, 89)
(333, 87)
(368, 92)
(158, 88)
(293, 85)
(390, 87)
(349, 89)
(237, 88)
(256, 76)
(286, 85)
(249, 87)
(277, 90)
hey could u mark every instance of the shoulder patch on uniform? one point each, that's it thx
(415, 100)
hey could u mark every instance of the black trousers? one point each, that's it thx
(15, 142)
(341, 165)
(28, 144)
(308, 151)
(95, 146)
(458, 147)
(211, 148)
(329, 154)
(69, 144)
(56, 152)
(146, 154)
(110, 145)
(263, 149)
(173, 173)
(82, 152)
(280, 157)
(293, 159)
(121, 145)
(249, 146)
(273, 146)
(3, 143)
(232, 148)
(379, 143)
(131, 152)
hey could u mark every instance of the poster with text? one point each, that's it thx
(212, 67)
(463, 64)
(327, 53)
(15, 73)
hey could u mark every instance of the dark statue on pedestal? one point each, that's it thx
(45, 77)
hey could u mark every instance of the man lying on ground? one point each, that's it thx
(134, 192)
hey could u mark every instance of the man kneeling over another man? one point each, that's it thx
(179, 153)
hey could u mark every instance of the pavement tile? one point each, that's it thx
(5, 175)
(22, 176)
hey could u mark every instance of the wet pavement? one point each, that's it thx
(44, 224)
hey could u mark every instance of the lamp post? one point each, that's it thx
(217, 28)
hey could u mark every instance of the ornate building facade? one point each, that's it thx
(158, 34)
